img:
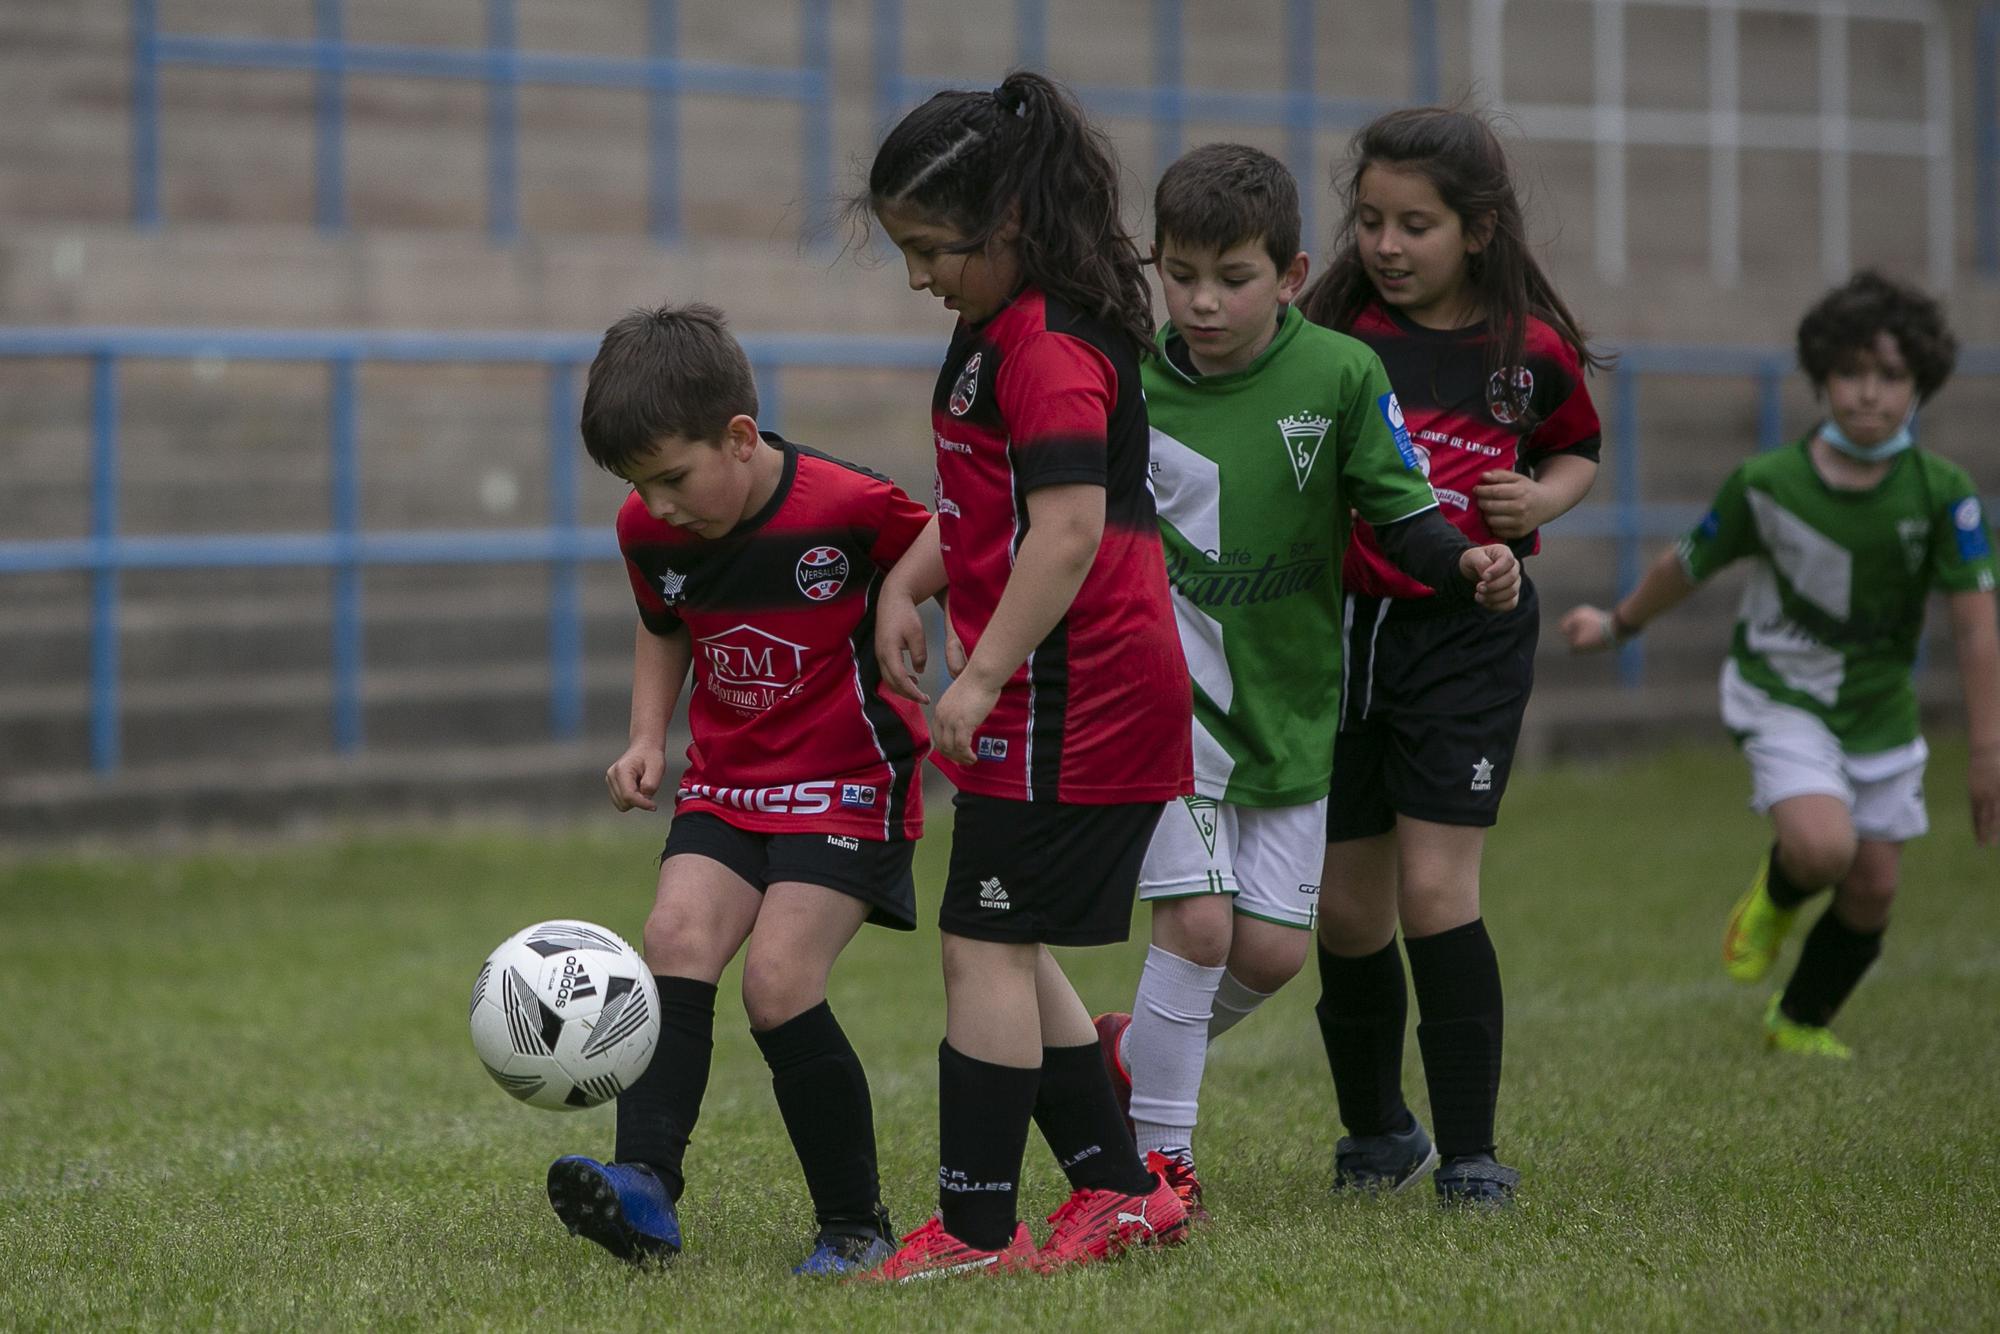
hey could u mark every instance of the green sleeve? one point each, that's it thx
(1380, 476)
(1961, 543)
(1727, 532)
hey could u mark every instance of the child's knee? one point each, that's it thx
(774, 993)
(1868, 892)
(1197, 928)
(678, 944)
(1818, 858)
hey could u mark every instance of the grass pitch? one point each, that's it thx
(236, 1091)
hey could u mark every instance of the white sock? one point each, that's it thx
(1166, 1047)
(1233, 1004)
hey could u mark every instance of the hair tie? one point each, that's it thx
(1010, 102)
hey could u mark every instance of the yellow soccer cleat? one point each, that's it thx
(1756, 929)
(1782, 1033)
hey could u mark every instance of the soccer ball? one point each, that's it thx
(564, 1015)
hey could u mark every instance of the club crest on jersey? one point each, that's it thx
(1303, 435)
(821, 572)
(991, 748)
(1202, 811)
(1509, 405)
(966, 388)
(860, 795)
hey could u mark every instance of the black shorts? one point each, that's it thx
(1431, 713)
(1044, 872)
(873, 871)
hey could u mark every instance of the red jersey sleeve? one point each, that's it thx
(1567, 419)
(654, 613)
(1055, 393)
(901, 520)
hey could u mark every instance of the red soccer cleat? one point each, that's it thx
(1110, 1032)
(1098, 1224)
(1178, 1172)
(931, 1252)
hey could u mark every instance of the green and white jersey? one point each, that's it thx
(1254, 474)
(1835, 606)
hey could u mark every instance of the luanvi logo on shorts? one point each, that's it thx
(991, 895)
(1482, 775)
(844, 842)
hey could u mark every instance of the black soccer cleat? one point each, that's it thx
(1383, 1164)
(1476, 1181)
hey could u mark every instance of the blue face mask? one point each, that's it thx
(1903, 437)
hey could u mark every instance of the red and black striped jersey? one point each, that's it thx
(1464, 420)
(1040, 395)
(793, 730)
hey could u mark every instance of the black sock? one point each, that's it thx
(657, 1114)
(1459, 1026)
(1363, 1008)
(1785, 892)
(1079, 1117)
(1831, 964)
(823, 1096)
(983, 1115)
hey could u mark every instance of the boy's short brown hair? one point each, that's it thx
(1222, 195)
(669, 371)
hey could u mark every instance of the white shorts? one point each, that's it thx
(1792, 753)
(1268, 857)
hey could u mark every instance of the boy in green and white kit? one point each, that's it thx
(1851, 528)
(1267, 430)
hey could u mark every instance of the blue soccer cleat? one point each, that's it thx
(842, 1253)
(623, 1207)
(1383, 1164)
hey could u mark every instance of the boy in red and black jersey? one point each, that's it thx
(1039, 397)
(757, 563)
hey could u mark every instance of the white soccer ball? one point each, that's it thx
(564, 1015)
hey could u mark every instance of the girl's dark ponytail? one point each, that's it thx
(1024, 153)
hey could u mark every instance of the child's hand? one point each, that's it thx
(954, 651)
(1497, 573)
(899, 647)
(1982, 780)
(1509, 502)
(1588, 629)
(635, 776)
(960, 710)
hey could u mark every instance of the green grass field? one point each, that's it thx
(236, 1091)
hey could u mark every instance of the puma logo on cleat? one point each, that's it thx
(1139, 1218)
(991, 895)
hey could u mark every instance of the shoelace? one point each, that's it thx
(1079, 1203)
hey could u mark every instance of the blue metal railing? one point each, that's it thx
(662, 74)
(1168, 104)
(347, 549)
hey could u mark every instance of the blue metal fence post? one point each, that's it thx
(565, 580)
(1424, 74)
(1300, 109)
(770, 398)
(1031, 34)
(1169, 97)
(663, 121)
(330, 199)
(816, 20)
(1770, 404)
(503, 137)
(145, 114)
(887, 24)
(1986, 131)
(1632, 657)
(105, 729)
(345, 472)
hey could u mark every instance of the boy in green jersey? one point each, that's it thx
(1267, 431)
(1851, 529)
